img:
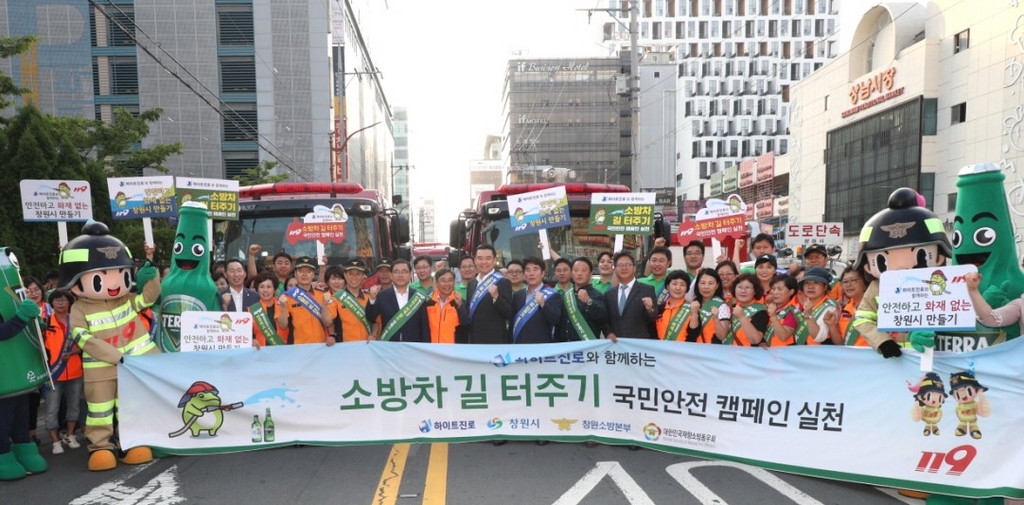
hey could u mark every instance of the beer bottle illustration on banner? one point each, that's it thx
(268, 428)
(257, 429)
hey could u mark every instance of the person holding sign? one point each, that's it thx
(585, 310)
(707, 298)
(304, 312)
(445, 308)
(658, 262)
(631, 308)
(490, 301)
(264, 329)
(675, 310)
(744, 322)
(538, 307)
(402, 309)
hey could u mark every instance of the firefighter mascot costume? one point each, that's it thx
(22, 370)
(105, 323)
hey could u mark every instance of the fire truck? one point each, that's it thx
(488, 223)
(274, 215)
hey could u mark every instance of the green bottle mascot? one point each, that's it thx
(188, 286)
(22, 370)
(105, 323)
(983, 236)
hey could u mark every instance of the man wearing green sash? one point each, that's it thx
(354, 324)
(584, 307)
(658, 262)
(402, 310)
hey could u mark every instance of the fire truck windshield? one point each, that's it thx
(271, 233)
(568, 242)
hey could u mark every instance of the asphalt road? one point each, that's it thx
(403, 474)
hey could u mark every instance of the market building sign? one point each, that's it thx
(872, 91)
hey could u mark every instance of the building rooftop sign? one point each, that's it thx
(872, 91)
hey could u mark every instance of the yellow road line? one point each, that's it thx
(391, 477)
(436, 489)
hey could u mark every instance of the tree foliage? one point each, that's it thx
(34, 145)
(261, 174)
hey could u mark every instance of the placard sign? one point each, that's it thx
(622, 213)
(538, 210)
(135, 197)
(45, 200)
(934, 298)
(210, 331)
(220, 196)
(323, 225)
(814, 233)
(718, 228)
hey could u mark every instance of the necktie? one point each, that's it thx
(622, 298)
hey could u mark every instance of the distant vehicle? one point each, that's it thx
(436, 251)
(269, 215)
(488, 223)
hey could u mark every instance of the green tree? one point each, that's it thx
(12, 46)
(261, 174)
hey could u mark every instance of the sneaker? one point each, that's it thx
(58, 448)
(71, 442)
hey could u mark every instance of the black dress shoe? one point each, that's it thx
(499, 442)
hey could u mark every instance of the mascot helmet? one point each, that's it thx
(905, 223)
(95, 249)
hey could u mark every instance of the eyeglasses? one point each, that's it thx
(624, 265)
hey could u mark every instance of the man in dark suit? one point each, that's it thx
(237, 298)
(490, 307)
(538, 308)
(389, 304)
(631, 309)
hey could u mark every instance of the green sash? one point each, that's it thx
(416, 300)
(852, 333)
(352, 305)
(576, 317)
(817, 312)
(801, 331)
(675, 325)
(709, 309)
(266, 326)
(749, 311)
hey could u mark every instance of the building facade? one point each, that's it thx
(568, 113)
(737, 60)
(915, 99)
(401, 167)
(232, 98)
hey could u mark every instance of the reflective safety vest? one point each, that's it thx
(107, 330)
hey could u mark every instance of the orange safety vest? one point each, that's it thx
(775, 341)
(845, 318)
(442, 321)
(271, 310)
(666, 316)
(56, 336)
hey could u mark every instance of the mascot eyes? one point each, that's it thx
(984, 236)
(198, 249)
(14, 260)
(97, 283)
(957, 238)
(127, 278)
(178, 247)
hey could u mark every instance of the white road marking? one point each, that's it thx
(681, 473)
(160, 490)
(630, 489)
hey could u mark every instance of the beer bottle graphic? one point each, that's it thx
(257, 429)
(268, 428)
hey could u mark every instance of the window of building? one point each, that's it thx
(237, 74)
(234, 25)
(110, 25)
(929, 116)
(959, 113)
(927, 188)
(826, 102)
(119, 75)
(239, 122)
(951, 202)
(962, 41)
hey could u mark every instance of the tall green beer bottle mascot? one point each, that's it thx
(105, 323)
(22, 370)
(983, 236)
(188, 285)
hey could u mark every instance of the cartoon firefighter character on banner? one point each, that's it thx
(929, 395)
(905, 235)
(105, 323)
(22, 370)
(970, 403)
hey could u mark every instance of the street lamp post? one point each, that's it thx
(342, 150)
(394, 171)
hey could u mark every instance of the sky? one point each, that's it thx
(446, 61)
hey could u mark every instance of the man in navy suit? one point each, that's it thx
(237, 297)
(403, 310)
(631, 309)
(538, 308)
(490, 301)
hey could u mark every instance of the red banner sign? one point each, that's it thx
(322, 232)
(717, 227)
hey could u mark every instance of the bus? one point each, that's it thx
(272, 215)
(488, 223)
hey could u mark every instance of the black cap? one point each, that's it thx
(304, 261)
(766, 258)
(355, 264)
(384, 262)
(815, 248)
(816, 274)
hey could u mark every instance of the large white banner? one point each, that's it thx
(835, 412)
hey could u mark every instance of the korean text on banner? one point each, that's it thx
(55, 200)
(139, 197)
(219, 196)
(622, 213)
(538, 210)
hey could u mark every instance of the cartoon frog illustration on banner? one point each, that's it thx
(202, 398)
(188, 286)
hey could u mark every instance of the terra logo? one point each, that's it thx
(652, 432)
(425, 426)
(494, 423)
